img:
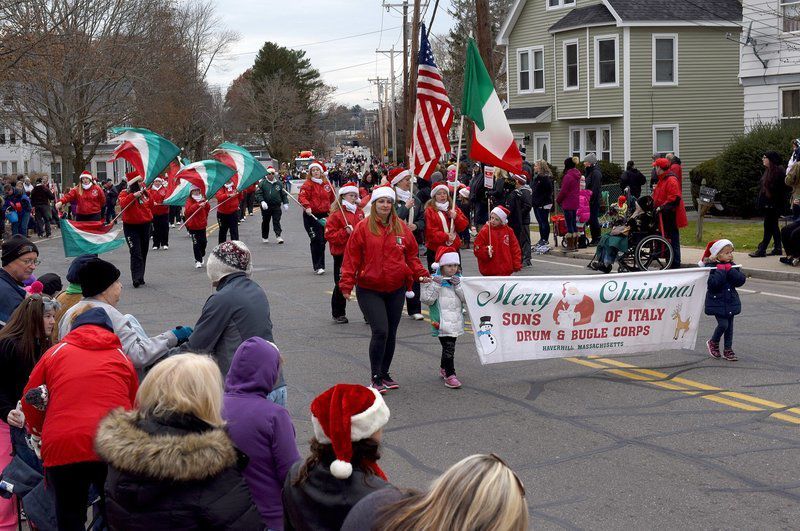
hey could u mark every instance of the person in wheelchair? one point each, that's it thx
(612, 244)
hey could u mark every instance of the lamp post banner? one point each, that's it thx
(531, 318)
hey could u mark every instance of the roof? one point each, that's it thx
(527, 113)
(594, 15)
(689, 10)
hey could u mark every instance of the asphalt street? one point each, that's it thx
(665, 440)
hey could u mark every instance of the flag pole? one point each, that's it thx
(411, 166)
(458, 160)
(304, 208)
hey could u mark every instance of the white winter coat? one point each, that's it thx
(451, 318)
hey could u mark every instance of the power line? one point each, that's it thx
(328, 40)
(347, 67)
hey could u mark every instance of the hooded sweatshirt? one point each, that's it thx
(259, 427)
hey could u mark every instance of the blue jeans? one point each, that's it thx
(278, 396)
(571, 219)
(542, 218)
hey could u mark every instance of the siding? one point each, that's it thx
(707, 104)
(780, 50)
(571, 103)
(606, 101)
(761, 104)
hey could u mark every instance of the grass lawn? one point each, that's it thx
(745, 235)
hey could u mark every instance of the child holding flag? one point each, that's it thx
(196, 211)
(341, 222)
(496, 247)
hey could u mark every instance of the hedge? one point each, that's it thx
(705, 174)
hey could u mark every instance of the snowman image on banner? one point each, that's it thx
(486, 340)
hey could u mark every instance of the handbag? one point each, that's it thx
(12, 216)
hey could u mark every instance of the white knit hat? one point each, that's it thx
(227, 258)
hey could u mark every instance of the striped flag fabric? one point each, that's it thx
(148, 152)
(179, 194)
(88, 237)
(250, 171)
(208, 175)
(434, 114)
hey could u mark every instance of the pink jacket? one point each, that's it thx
(583, 205)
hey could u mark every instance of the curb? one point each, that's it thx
(764, 274)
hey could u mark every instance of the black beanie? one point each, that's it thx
(76, 265)
(96, 276)
(16, 246)
(51, 284)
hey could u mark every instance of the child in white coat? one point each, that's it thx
(446, 300)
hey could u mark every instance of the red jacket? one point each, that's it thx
(435, 232)
(506, 254)
(381, 263)
(140, 212)
(317, 197)
(87, 375)
(569, 197)
(336, 229)
(230, 205)
(158, 197)
(200, 220)
(677, 169)
(89, 201)
(668, 190)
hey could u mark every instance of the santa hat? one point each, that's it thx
(397, 174)
(317, 164)
(502, 213)
(446, 256)
(132, 177)
(565, 286)
(464, 192)
(441, 185)
(382, 191)
(271, 170)
(348, 188)
(519, 178)
(158, 180)
(87, 174)
(713, 249)
(451, 172)
(344, 414)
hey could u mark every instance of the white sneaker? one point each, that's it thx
(155, 248)
(418, 317)
(280, 240)
(198, 265)
(320, 271)
(264, 240)
(165, 247)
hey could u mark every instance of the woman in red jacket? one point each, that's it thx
(380, 257)
(340, 225)
(135, 204)
(86, 375)
(496, 247)
(89, 197)
(569, 199)
(196, 212)
(669, 205)
(439, 230)
(316, 196)
(228, 211)
(158, 192)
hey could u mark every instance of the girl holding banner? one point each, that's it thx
(443, 222)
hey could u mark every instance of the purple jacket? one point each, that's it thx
(569, 195)
(260, 428)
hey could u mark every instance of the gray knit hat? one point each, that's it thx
(227, 258)
(591, 158)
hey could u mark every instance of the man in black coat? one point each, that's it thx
(594, 182)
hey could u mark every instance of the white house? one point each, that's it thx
(769, 67)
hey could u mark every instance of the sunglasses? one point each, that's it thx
(519, 481)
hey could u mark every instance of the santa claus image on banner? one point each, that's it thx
(574, 308)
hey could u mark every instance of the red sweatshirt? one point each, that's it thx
(380, 263)
(200, 220)
(336, 229)
(317, 197)
(140, 212)
(87, 375)
(158, 196)
(506, 254)
(230, 205)
(437, 228)
(89, 201)
(668, 190)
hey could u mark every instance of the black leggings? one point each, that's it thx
(228, 222)
(137, 235)
(384, 311)
(316, 233)
(448, 355)
(199, 242)
(71, 487)
(338, 302)
(160, 230)
(790, 235)
(771, 230)
(724, 326)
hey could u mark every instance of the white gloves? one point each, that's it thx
(285, 207)
(264, 205)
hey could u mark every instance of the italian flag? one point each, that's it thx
(149, 154)
(208, 175)
(179, 194)
(88, 237)
(242, 161)
(492, 140)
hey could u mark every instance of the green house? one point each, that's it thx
(623, 78)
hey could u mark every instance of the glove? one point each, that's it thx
(437, 279)
(285, 207)
(455, 280)
(322, 221)
(264, 205)
(182, 333)
(724, 267)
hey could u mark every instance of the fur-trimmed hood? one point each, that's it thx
(175, 455)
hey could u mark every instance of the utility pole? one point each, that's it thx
(391, 54)
(412, 82)
(381, 83)
(484, 35)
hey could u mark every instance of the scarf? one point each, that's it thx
(351, 207)
(74, 289)
(402, 195)
(318, 181)
(443, 207)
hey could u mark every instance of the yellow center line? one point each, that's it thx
(212, 228)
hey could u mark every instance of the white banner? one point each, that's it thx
(529, 318)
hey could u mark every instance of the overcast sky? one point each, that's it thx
(300, 23)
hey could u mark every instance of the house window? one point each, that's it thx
(101, 172)
(25, 165)
(605, 61)
(2, 136)
(665, 59)
(585, 140)
(55, 172)
(571, 80)
(4, 168)
(559, 4)
(524, 71)
(24, 136)
(790, 104)
(531, 70)
(12, 137)
(790, 12)
(665, 139)
(14, 167)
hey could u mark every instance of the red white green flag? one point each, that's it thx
(208, 175)
(242, 161)
(492, 140)
(148, 152)
(88, 237)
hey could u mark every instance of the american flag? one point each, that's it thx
(434, 114)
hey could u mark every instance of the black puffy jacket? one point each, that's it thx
(171, 474)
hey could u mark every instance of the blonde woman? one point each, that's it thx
(170, 463)
(478, 493)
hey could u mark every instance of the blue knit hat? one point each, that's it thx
(75, 267)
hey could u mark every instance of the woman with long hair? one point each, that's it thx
(170, 463)
(89, 198)
(381, 261)
(773, 199)
(443, 222)
(542, 191)
(316, 196)
(479, 493)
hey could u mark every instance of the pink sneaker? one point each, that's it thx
(713, 349)
(452, 382)
(442, 374)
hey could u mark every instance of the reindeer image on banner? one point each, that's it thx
(528, 318)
